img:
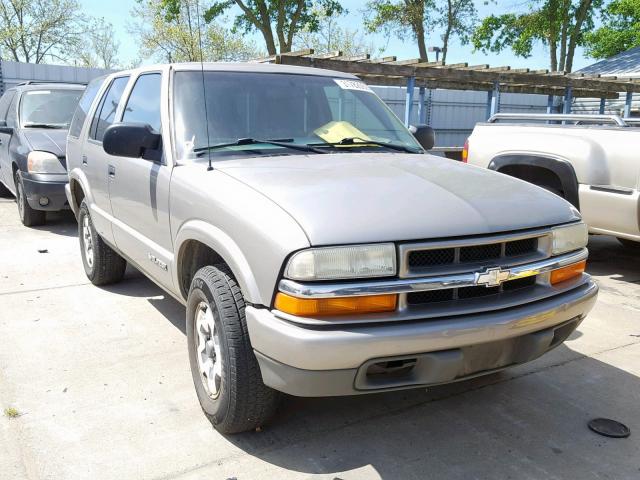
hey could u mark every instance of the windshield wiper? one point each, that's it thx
(285, 143)
(44, 125)
(364, 142)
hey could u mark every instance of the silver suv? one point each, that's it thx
(316, 246)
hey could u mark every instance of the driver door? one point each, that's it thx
(6, 172)
(139, 188)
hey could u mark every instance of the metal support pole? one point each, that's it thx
(421, 106)
(603, 103)
(568, 100)
(627, 105)
(489, 103)
(408, 106)
(550, 100)
(493, 100)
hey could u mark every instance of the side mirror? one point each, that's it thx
(4, 128)
(425, 135)
(134, 140)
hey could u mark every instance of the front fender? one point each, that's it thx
(224, 246)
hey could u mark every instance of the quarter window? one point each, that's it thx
(5, 101)
(82, 109)
(143, 105)
(106, 111)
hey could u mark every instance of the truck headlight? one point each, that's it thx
(569, 237)
(44, 162)
(331, 263)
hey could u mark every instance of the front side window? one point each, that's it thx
(106, 111)
(5, 101)
(50, 108)
(84, 104)
(143, 105)
(300, 110)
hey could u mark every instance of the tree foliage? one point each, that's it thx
(620, 30)
(100, 48)
(560, 25)
(331, 37)
(176, 31)
(278, 21)
(421, 18)
(40, 30)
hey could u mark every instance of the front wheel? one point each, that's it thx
(28, 216)
(224, 368)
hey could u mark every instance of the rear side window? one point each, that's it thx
(5, 101)
(82, 109)
(143, 105)
(106, 111)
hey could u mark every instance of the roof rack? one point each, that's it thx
(45, 82)
(615, 119)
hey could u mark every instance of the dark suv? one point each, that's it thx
(34, 120)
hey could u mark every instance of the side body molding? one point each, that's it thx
(563, 169)
(224, 245)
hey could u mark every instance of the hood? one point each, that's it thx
(49, 140)
(362, 197)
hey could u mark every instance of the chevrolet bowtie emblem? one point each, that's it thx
(492, 277)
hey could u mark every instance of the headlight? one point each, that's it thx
(569, 237)
(44, 162)
(331, 263)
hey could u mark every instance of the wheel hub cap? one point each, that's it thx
(208, 350)
(87, 241)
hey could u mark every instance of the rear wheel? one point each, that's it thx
(630, 244)
(224, 368)
(101, 263)
(28, 216)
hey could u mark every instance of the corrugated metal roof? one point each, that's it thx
(625, 64)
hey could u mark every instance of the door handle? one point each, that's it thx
(84, 159)
(112, 171)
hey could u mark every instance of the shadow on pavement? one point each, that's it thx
(607, 257)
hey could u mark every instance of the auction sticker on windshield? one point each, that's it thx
(352, 85)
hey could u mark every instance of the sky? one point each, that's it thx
(117, 12)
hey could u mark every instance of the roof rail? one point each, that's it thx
(558, 117)
(44, 82)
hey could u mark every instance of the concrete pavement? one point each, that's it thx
(101, 379)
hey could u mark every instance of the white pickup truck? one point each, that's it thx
(590, 160)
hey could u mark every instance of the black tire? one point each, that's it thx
(101, 263)
(28, 216)
(241, 401)
(630, 244)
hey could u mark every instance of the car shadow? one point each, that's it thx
(60, 223)
(608, 257)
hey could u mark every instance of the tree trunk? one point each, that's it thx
(422, 46)
(581, 15)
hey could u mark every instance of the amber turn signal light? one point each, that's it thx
(317, 307)
(568, 272)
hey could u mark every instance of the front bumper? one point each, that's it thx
(308, 361)
(47, 189)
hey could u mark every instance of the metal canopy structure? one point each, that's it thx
(388, 71)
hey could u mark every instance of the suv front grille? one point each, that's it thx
(464, 293)
(419, 259)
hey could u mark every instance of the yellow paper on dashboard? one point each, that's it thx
(335, 131)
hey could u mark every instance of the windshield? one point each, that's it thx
(48, 108)
(285, 108)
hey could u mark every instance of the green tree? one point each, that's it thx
(620, 30)
(39, 30)
(175, 32)
(421, 18)
(99, 47)
(331, 37)
(560, 25)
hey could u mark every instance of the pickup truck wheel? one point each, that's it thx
(224, 368)
(28, 216)
(630, 244)
(101, 263)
